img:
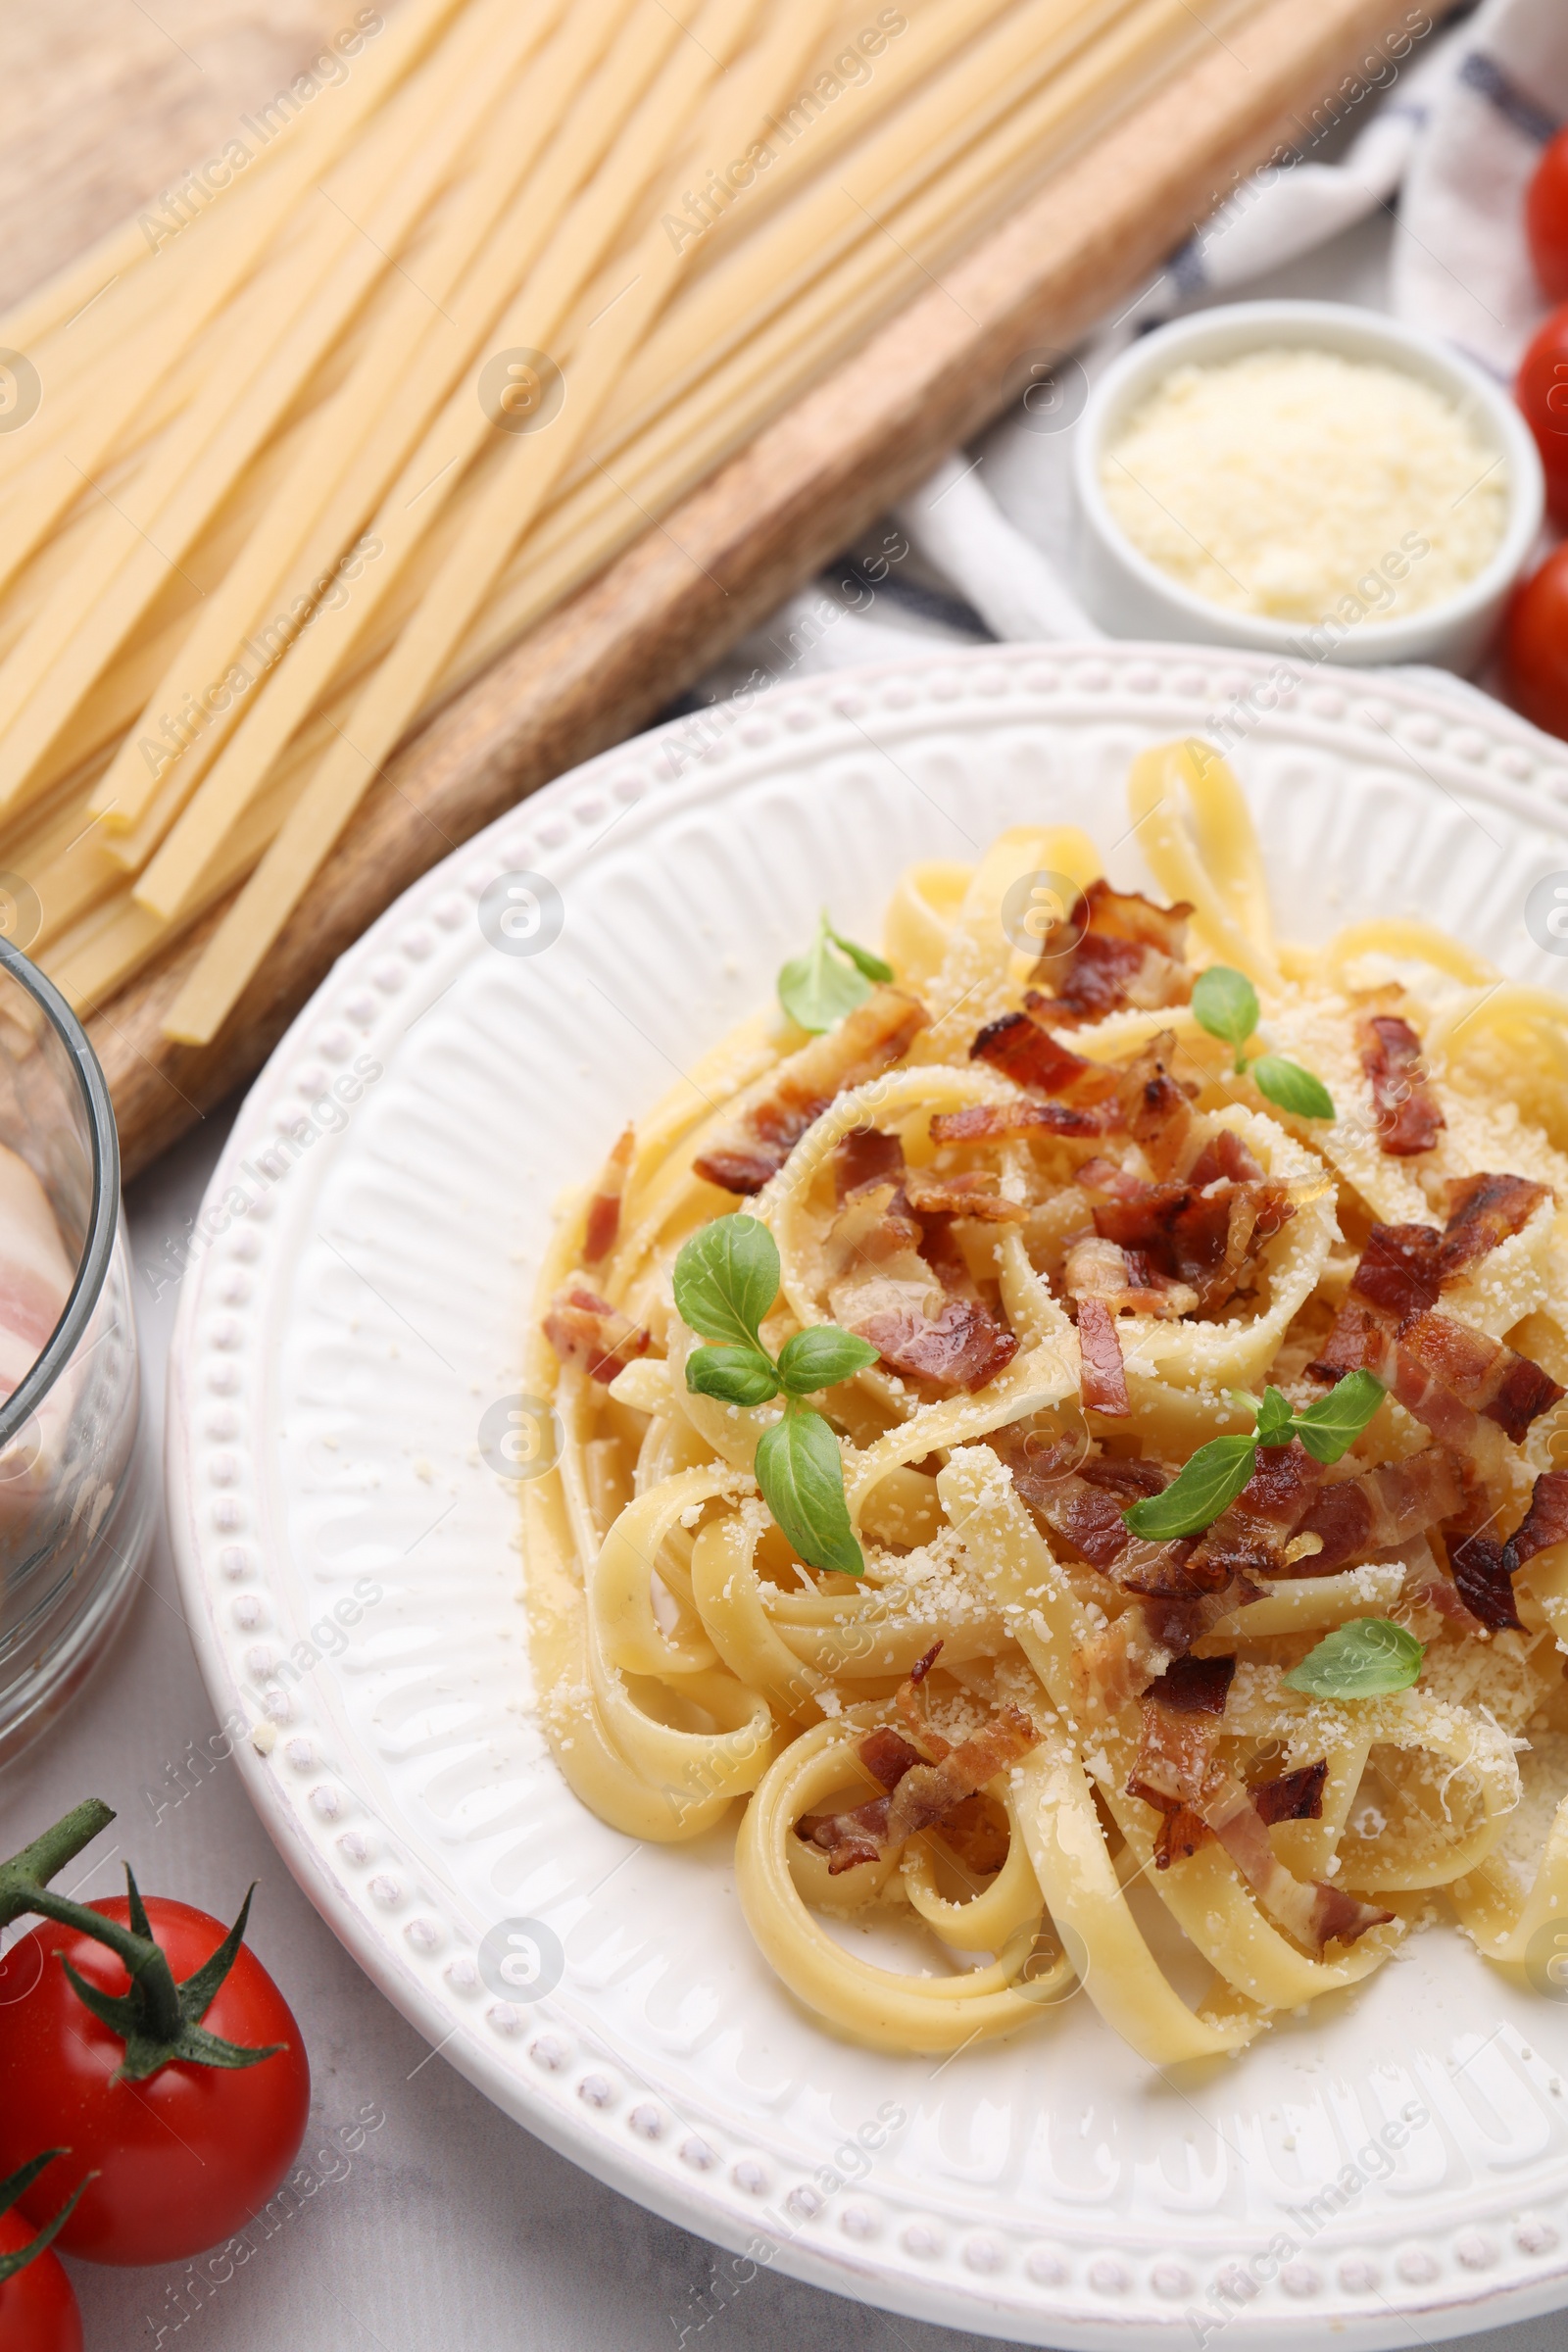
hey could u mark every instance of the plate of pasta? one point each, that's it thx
(873, 1418)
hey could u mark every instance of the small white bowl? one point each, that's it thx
(1130, 597)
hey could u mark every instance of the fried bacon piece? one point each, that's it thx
(1448, 1376)
(1404, 1267)
(1201, 1237)
(1294, 1796)
(1157, 1107)
(586, 1332)
(1380, 1510)
(1195, 1686)
(876, 1034)
(920, 1795)
(977, 1194)
(1000, 1122)
(1113, 949)
(1484, 1212)
(1023, 1050)
(1177, 1771)
(1408, 1114)
(1225, 1154)
(899, 1280)
(865, 1155)
(604, 1206)
(1122, 1281)
(1484, 1569)
(964, 1347)
(1103, 1374)
(1250, 1537)
(1082, 1507)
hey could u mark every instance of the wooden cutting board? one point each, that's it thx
(101, 104)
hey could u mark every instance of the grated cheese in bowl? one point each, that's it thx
(1297, 485)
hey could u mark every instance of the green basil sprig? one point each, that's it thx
(726, 1278)
(1225, 1003)
(821, 986)
(1364, 1659)
(1217, 1472)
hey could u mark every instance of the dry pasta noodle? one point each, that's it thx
(267, 517)
(1110, 1206)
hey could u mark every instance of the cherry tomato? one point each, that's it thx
(38, 2309)
(185, 2158)
(1542, 391)
(1546, 219)
(1536, 650)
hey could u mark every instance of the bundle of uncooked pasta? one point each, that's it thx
(441, 330)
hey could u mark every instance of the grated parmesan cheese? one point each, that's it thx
(1301, 486)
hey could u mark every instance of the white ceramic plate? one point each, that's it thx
(354, 1308)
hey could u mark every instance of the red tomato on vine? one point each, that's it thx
(1546, 219)
(38, 2309)
(1542, 391)
(159, 2050)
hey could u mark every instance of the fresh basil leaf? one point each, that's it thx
(873, 967)
(1364, 1659)
(1332, 1425)
(734, 1375)
(801, 1472)
(1274, 1418)
(1208, 1485)
(1225, 1003)
(820, 1357)
(1294, 1089)
(726, 1278)
(818, 988)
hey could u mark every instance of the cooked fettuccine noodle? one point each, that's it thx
(1083, 1244)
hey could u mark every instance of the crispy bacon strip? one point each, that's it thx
(1103, 1373)
(1449, 1376)
(1379, 1511)
(1114, 949)
(586, 1332)
(1202, 1237)
(921, 1795)
(1000, 1122)
(1294, 1796)
(1023, 1050)
(1250, 1537)
(603, 1208)
(962, 1347)
(1123, 1281)
(877, 1033)
(865, 1155)
(1408, 1114)
(1225, 1154)
(1484, 1212)
(1176, 1767)
(1484, 1569)
(1195, 1686)
(976, 1194)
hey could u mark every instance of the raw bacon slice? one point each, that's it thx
(1103, 1374)
(586, 1332)
(877, 1033)
(1408, 1114)
(1379, 1511)
(603, 1228)
(1484, 1212)
(1114, 949)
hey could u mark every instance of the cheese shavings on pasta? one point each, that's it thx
(1082, 1245)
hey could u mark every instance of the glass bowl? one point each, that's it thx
(76, 1497)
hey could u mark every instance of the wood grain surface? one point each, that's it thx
(608, 660)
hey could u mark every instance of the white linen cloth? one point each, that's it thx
(452, 2229)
